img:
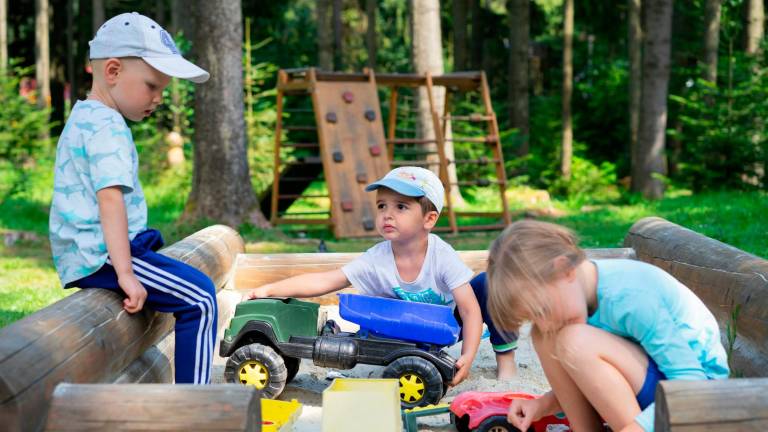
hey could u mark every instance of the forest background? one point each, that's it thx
(609, 111)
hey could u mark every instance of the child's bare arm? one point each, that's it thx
(469, 310)
(114, 223)
(303, 285)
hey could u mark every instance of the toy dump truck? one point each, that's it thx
(267, 338)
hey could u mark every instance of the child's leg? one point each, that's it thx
(607, 369)
(581, 415)
(173, 287)
(504, 343)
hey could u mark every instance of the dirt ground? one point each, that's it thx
(311, 380)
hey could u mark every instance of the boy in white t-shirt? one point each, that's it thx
(411, 264)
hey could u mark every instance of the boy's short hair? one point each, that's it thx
(416, 183)
(134, 35)
(426, 205)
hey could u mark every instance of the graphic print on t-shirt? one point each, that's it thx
(425, 296)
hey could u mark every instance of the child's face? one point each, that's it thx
(137, 88)
(567, 304)
(400, 217)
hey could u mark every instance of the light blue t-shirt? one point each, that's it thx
(375, 273)
(644, 303)
(95, 151)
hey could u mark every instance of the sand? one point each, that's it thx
(311, 380)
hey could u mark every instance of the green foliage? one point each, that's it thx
(589, 183)
(724, 138)
(23, 128)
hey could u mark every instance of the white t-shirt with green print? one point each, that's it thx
(95, 151)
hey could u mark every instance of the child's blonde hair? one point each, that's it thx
(521, 261)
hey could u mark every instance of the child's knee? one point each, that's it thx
(573, 342)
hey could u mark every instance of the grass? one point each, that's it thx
(28, 280)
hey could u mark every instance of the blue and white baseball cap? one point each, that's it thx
(413, 182)
(134, 35)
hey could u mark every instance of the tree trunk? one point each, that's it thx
(3, 35)
(476, 53)
(427, 52)
(324, 35)
(221, 183)
(71, 51)
(98, 17)
(635, 38)
(42, 54)
(711, 38)
(567, 145)
(519, 46)
(370, 32)
(650, 160)
(460, 34)
(755, 25)
(338, 59)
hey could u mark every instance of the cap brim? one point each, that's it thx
(178, 67)
(398, 186)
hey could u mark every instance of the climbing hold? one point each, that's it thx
(483, 182)
(482, 160)
(362, 178)
(375, 150)
(346, 206)
(338, 156)
(330, 117)
(368, 224)
(348, 96)
(370, 115)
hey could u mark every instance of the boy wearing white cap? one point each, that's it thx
(411, 264)
(98, 219)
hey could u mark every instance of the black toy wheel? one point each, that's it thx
(292, 366)
(420, 381)
(461, 423)
(260, 366)
(496, 424)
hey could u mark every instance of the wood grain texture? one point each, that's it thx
(724, 277)
(154, 407)
(716, 405)
(253, 270)
(87, 337)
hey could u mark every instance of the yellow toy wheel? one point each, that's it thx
(411, 388)
(253, 373)
(420, 382)
(260, 366)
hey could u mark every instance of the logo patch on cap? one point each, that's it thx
(166, 39)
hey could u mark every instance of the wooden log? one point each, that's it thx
(722, 405)
(155, 365)
(253, 270)
(166, 407)
(731, 282)
(87, 337)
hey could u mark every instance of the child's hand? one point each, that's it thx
(463, 365)
(135, 291)
(260, 292)
(523, 412)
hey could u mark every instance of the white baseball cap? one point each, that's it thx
(134, 35)
(413, 182)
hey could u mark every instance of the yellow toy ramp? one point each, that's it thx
(353, 405)
(353, 150)
(277, 415)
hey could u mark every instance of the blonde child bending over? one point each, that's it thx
(605, 331)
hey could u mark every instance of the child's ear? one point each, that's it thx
(112, 69)
(430, 219)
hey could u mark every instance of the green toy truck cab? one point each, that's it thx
(254, 336)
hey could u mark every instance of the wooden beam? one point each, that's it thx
(731, 282)
(167, 407)
(88, 337)
(253, 270)
(722, 405)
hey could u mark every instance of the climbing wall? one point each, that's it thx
(353, 151)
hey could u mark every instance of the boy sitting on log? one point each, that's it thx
(98, 221)
(411, 264)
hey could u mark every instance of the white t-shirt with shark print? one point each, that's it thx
(374, 273)
(95, 151)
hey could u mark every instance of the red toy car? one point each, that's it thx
(487, 411)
